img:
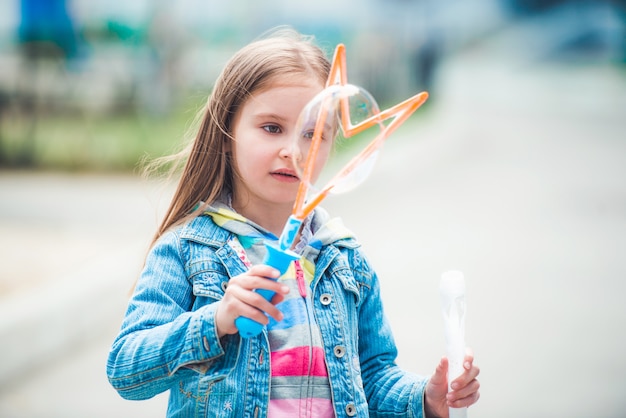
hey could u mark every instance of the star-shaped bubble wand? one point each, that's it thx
(338, 119)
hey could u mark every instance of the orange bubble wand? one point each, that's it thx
(398, 114)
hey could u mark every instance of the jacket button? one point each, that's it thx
(224, 286)
(351, 410)
(339, 351)
(325, 299)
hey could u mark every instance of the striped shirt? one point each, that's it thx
(299, 386)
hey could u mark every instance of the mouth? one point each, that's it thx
(288, 175)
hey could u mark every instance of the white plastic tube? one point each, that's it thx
(452, 292)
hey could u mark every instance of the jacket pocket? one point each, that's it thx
(208, 281)
(224, 399)
(350, 286)
(208, 397)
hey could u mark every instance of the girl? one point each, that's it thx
(327, 350)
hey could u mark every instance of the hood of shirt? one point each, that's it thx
(319, 230)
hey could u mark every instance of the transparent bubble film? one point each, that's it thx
(329, 142)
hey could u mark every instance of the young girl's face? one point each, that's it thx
(264, 133)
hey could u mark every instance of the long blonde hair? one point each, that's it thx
(208, 168)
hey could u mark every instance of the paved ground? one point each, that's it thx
(515, 175)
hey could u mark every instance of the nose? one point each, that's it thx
(285, 151)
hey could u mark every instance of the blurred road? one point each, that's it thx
(515, 174)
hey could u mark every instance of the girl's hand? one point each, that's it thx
(240, 299)
(465, 388)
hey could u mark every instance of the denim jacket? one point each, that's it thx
(168, 339)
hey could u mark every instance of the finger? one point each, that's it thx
(278, 298)
(466, 377)
(239, 302)
(439, 376)
(469, 358)
(256, 304)
(470, 371)
(251, 282)
(230, 309)
(465, 390)
(242, 309)
(466, 397)
(271, 310)
(264, 271)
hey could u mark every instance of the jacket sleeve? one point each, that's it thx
(390, 391)
(160, 339)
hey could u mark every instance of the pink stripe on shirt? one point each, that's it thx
(310, 407)
(296, 362)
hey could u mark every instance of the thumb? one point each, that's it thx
(436, 390)
(439, 378)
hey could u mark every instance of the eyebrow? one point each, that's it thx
(271, 116)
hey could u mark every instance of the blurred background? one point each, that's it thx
(514, 172)
(97, 84)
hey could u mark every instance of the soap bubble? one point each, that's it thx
(333, 154)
